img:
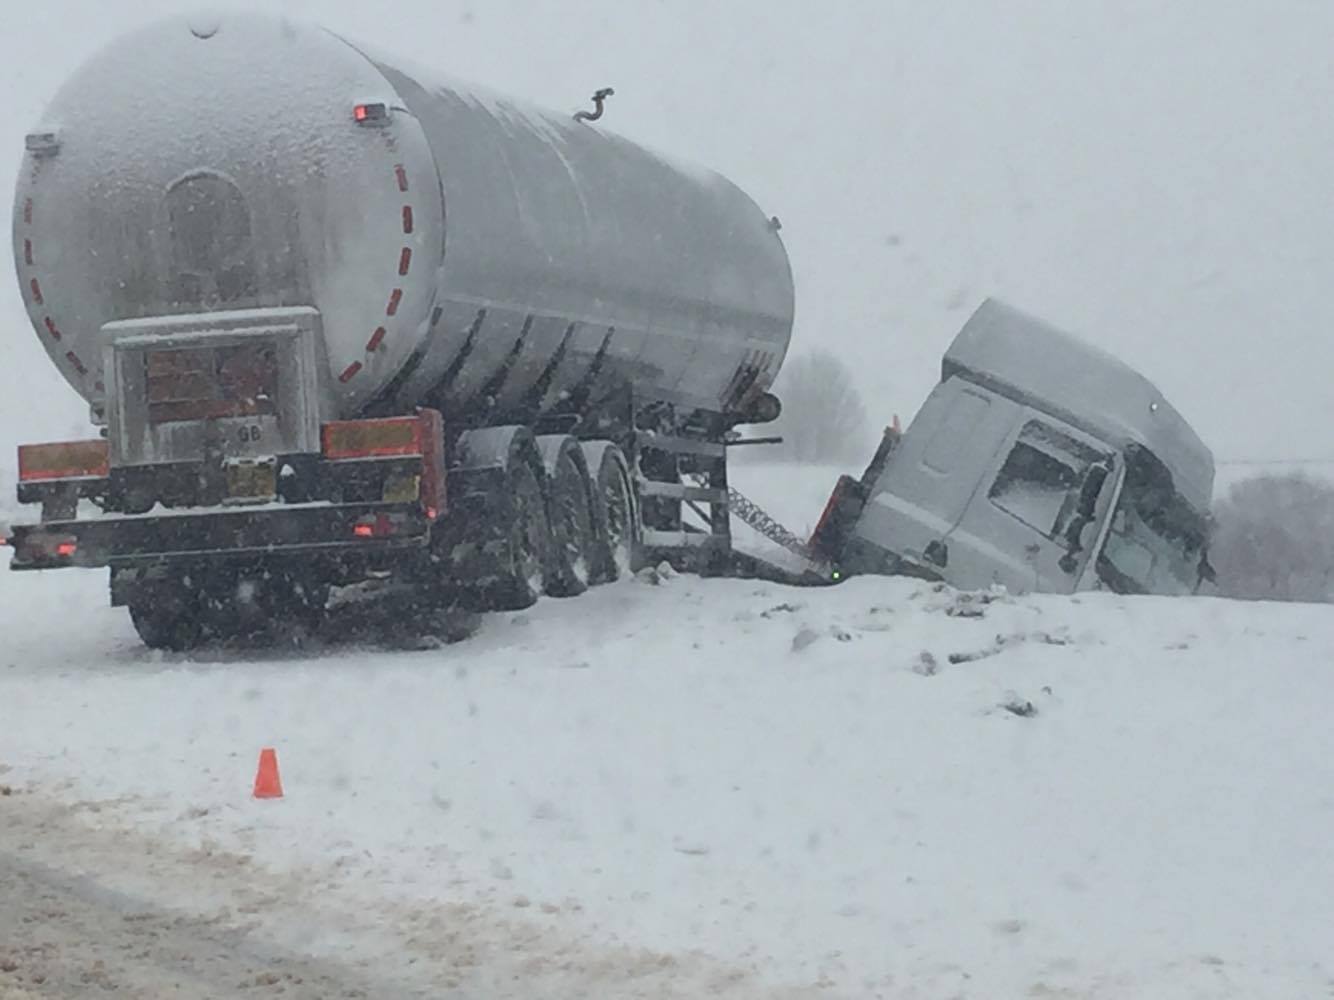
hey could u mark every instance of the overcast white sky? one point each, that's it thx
(1154, 175)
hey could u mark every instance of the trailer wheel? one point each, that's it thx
(168, 619)
(527, 540)
(615, 513)
(569, 509)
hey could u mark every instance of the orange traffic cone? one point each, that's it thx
(267, 783)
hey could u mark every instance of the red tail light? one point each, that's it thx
(370, 114)
(66, 549)
(378, 526)
(64, 460)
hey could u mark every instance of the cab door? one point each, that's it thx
(1038, 512)
(929, 479)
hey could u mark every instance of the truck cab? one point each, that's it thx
(1038, 463)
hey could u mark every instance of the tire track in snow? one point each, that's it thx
(90, 907)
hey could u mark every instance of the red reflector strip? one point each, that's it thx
(405, 260)
(377, 338)
(27, 252)
(432, 490)
(384, 438)
(64, 460)
(395, 297)
(402, 176)
(74, 360)
(36, 291)
(27, 212)
(407, 220)
(51, 328)
(350, 372)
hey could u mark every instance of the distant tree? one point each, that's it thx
(823, 418)
(1274, 539)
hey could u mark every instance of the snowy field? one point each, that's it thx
(714, 788)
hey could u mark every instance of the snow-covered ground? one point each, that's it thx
(729, 788)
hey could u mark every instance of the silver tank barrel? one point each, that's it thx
(467, 251)
(582, 249)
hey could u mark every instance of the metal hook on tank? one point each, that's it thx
(598, 99)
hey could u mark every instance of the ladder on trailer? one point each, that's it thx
(699, 469)
(678, 473)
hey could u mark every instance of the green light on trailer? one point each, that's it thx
(836, 575)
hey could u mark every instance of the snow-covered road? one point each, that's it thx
(65, 935)
(721, 788)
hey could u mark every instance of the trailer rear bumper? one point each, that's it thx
(335, 530)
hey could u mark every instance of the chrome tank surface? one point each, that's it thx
(671, 275)
(470, 252)
(208, 165)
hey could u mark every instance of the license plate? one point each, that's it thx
(251, 482)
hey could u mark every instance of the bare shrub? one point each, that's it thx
(824, 419)
(1274, 539)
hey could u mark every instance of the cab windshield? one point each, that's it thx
(1157, 541)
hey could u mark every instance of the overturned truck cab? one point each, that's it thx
(1038, 463)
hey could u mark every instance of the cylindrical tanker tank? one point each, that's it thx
(460, 247)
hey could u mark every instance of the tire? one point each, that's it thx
(573, 555)
(615, 512)
(295, 607)
(526, 543)
(168, 618)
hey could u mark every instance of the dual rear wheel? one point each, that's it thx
(185, 607)
(569, 521)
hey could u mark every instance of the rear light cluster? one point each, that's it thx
(387, 440)
(44, 549)
(64, 460)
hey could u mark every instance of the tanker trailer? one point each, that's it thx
(337, 318)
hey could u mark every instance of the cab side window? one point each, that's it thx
(1039, 484)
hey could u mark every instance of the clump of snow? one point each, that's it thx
(656, 576)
